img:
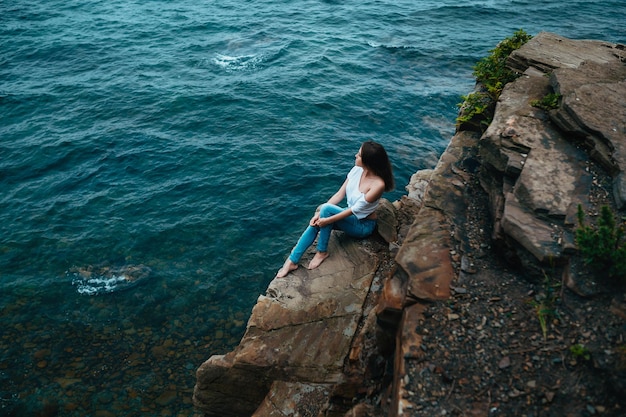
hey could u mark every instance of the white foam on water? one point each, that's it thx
(237, 63)
(99, 284)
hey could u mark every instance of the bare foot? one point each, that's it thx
(317, 259)
(286, 269)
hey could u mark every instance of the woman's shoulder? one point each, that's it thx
(377, 182)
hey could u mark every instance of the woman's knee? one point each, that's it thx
(327, 210)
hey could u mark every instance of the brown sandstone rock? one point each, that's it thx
(593, 110)
(425, 252)
(387, 221)
(425, 257)
(548, 51)
(533, 168)
(408, 348)
(534, 234)
(294, 399)
(591, 78)
(392, 300)
(543, 176)
(301, 330)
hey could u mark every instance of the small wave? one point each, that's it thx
(408, 51)
(237, 63)
(104, 280)
(375, 44)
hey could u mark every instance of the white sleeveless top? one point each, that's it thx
(361, 208)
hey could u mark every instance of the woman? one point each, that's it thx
(367, 180)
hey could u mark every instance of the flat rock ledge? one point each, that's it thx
(298, 340)
(337, 341)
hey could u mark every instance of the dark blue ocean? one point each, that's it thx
(191, 140)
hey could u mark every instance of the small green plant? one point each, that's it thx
(477, 108)
(492, 72)
(603, 248)
(579, 351)
(542, 315)
(548, 102)
(545, 305)
(476, 111)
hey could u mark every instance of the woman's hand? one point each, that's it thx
(321, 222)
(317, 221)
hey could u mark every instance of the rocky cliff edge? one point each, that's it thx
(437, 312)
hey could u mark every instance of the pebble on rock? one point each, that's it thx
(505, 362)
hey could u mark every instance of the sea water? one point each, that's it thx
(158, 160)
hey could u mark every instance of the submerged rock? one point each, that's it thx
(95, 280)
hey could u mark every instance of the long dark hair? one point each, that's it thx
(375, 158)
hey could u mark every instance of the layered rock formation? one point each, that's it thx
(536, 165)
(317, 342)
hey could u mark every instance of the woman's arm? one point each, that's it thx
(375, 192)
(335, 199)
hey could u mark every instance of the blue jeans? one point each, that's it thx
(351, 225)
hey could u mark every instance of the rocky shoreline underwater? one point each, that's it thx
(471, 299)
